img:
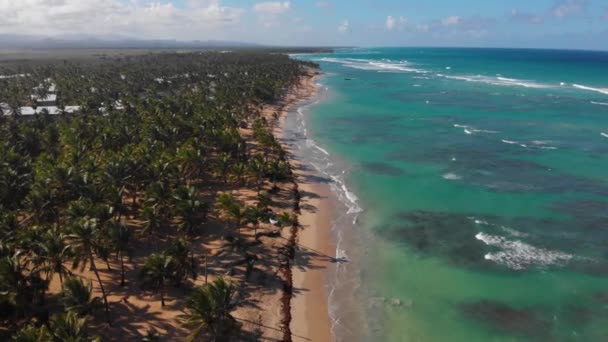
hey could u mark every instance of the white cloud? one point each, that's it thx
(271, 7)
(202, 19)
(323, 4)
(424, 28)
(393, 23)
(567, 8)
(452, 20)
(519, 16)
(344, 27)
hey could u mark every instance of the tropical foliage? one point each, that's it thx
(80, 191)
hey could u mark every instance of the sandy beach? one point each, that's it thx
(315, 250)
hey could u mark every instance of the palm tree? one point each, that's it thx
(209, 309)
(83, 241)
(254, 214)
(20, 289)
(192, 210)
(152, 220)
(120, 237)
(32, 333)
(51, 254)
(183, 261)
(232, 208)
(69, 327)
(157, 270)
(76, 296)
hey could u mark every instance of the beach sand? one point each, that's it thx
(315, 249)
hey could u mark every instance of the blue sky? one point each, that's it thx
(515, 23)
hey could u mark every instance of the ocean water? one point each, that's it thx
(475, 191)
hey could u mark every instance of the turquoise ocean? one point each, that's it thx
(474, 186)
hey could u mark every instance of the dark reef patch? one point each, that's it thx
(510, 320)
(450, 236)
(382, 169)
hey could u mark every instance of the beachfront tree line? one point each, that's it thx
(78, 191)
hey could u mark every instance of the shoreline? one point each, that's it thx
(314, 245)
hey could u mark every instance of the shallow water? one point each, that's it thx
(482, 179)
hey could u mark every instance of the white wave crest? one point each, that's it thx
(519, 255)
(500, 81)
(510, 142)
(599, 103)
(451, 176)
(605, 135)
(484, 131)
(598, 90)
(373, 65)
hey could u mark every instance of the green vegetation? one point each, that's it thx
(132, 167)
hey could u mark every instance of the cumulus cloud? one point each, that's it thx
(344, 26)
(101, 17)
(523, 17)
(393, 23)
(457, 26)
(567, 8)
(272, 7)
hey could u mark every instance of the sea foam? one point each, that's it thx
(501, 81)
(374, 65)
(451, 176)
(519, 255)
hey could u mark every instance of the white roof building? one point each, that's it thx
(48, 98)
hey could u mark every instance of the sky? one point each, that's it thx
(573, 24)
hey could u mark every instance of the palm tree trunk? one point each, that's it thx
(122, 270)
(162, 294)
(103, 291)
(60, 278)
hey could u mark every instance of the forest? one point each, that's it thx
(129, 183)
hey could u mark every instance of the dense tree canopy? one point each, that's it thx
(150, 131)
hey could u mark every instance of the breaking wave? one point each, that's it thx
(374, 65)
(598, 90)
(519, 255)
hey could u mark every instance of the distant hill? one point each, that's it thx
(13, 41)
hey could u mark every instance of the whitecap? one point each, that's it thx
(501, 81)
(519, 255)
(484, 131)
(599, 103)
(321, 149)
(467, 131)
(604, 134)
(373, 65)
(599, 90)
(510, 142)
(451, 176)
